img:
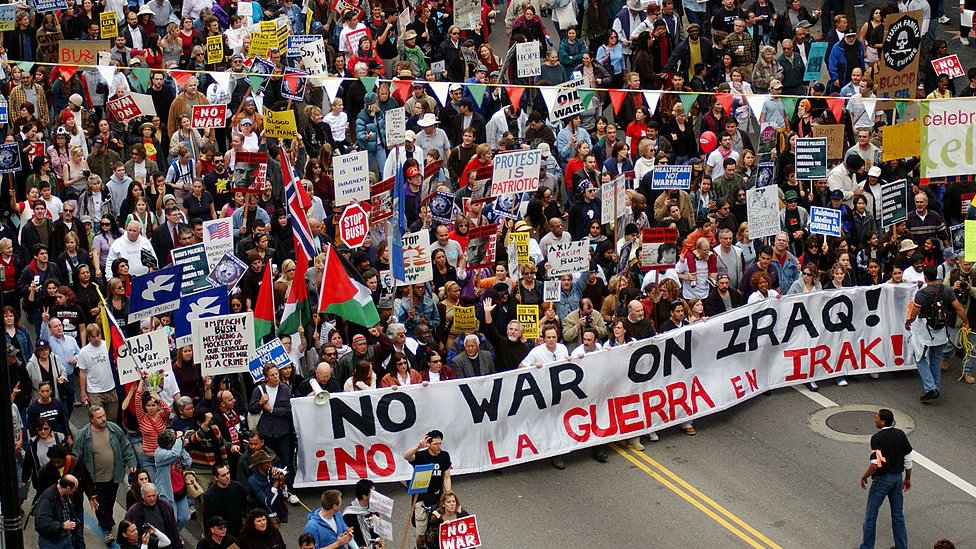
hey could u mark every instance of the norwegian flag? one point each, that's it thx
(298, 202)
(219, 230)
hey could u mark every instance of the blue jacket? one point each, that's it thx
(165, 457)
(788, 272)
(837, 62)
(323, 533)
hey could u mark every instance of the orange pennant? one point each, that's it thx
(67, 71)
(836, 107)
(726, 100)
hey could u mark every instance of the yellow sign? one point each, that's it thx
(261, 42)
(268, 26)
(215, 49)
(280, 124)
(969, 252)
(521, 240)
(464, 320)
(528, 315)
(900, 141)
(108, 25)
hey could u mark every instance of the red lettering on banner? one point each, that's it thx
(819, 360)
(665, 405)
(866, 352)
(847, 355)
(524, 445)
(797, 356)
(524, 442)
(806, 361)
(359, 463)
(751, 380)
(495, 460)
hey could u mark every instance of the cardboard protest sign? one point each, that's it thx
(948, 65)
(313, 57)
(193, 258)
(762, 209)
(901, 140)
(144, 353)
(515, 172)
(81, 52)
(108, 25)
(566, 100)
(351, 177)
(460, 534)
(508, 206)
(44, 6)
(442, 206)
(396, 126)
(131, 106)
(969, 250)
(898, 74)
(528, 60)
(659, 248)
(227, 272)
(272, 352)
(835, 138)
(280, 124)
(417, 265)
(481, 188)
(223, 344)
(297, 41)
(208, 116)
(467, 14)
(528, 315)
(550, 291)
(815, 61)
(8, 14)
(9, 158)
(381, 201)
(894, 202)
(481, 248)
(218, 239)
(293, 84)
(569, 257)
(521, 241)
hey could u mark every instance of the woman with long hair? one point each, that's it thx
(872, 36)
(105, 235)
(362, 377)
(189, 36)
(259, 532)
(152, 414)
(399, 373)
(74, 174)
(171, 45)
(448, 509)
(154, 53)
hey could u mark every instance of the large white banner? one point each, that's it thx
(948, 141)
(535, 413)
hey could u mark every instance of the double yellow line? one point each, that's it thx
(695, 497)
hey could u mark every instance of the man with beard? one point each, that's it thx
(510, 349)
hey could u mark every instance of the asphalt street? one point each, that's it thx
(757, 475)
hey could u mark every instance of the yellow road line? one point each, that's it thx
(636, 458)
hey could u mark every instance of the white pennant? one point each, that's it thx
(107, 73)
(549, 94)
(756, 103)
(331, 86)
(652, 97)
(869, 104)
(441, 90)
(222, 79)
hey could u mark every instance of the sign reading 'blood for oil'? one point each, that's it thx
(515, 172)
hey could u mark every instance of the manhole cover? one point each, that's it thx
(852, 423)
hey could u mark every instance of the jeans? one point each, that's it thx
(377, 160)
(930, 367)
(883, 486)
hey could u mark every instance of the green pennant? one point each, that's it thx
(25, 66)
(369, 82)
(900, 107)
(789, 105)
(142, 76)
(477, 92)
(256, 81)
(586, 95)
(688, 100)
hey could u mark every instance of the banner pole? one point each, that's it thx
(406, 529)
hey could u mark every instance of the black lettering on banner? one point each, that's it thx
(559, 386)
(525, 386)
(672, 350)
(362, 420)
(732, 348)
(487, 406)
(845, 316)
(759, 331)
(800, 317)
(384, 406)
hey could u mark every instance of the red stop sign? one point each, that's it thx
(353, 225)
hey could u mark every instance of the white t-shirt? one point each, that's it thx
(94, 361)
(543, 355)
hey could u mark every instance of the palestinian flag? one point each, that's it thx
(297, 310)
(264, 310)
(345, 297)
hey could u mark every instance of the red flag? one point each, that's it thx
(836, 107)
(67, 71)
(617, 98)
(515, 94)
(402, 91)
(181, 77)
(726, 100)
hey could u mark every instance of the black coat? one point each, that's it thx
(714, 304)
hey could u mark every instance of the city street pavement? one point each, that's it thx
(757, 475)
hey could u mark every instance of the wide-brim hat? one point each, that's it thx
(907, 245)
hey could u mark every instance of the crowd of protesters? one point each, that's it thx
(98, 200)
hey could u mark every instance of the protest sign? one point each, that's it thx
(550, 291)
(528, 60)
(514, 417)
(380, 504)
(659, 248)
(396, 126)
(481, 249)
(481, 187)
(5, 115)
(528, 315)
(351, 177)
(44, 6)
(210, 302)
(144, 353)
(815, 61)
(215, 49)
(131, 106)
(280, 124)
(811, 158)
(227, 272)
(461, 533)
(272, 352)
(208, 116)
(8, 13)
(765, 174)
(948, 138)
(442, 206)
(521, 241)
(569, 257)
(566, 100)
(108, 25)
(515, 172)
(313, 57)
(293, 85)
(297, 41)
(9, 158)
(81, 52)
(430, 183)
(250, 171)
(825, 221)
(467, 14)
(762, 209)
(508, 206)
(835, 138)
(417, 265)
(957, 237)
(894, 202)
(969, 249)
(354, 225)
(420, 478)
(218, 239)
(899, 52)
(223, 344)
(900, 140)
(155, 293)
(670, 176)
(381, 201)
(464, 319)
(948, 65)
(193, 259)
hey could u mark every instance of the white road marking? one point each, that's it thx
(917, 457)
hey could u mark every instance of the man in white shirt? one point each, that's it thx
(133, 247)
(95, 374)
(589, 345)
(550, 350)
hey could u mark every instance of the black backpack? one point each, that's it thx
(935, 310)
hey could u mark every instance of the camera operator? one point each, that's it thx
(266, 486)
(961, 281)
